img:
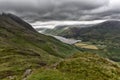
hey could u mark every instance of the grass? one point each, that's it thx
(89, 67)
(80, 67)
(47, 74)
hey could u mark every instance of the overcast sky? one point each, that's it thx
(63, 9)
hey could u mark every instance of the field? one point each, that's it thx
(86, 46)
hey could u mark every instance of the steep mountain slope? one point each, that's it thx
(80, 67)
(22, 48)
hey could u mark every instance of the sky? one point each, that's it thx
(53, 24)
(83, 10)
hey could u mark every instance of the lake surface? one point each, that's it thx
(66, 40)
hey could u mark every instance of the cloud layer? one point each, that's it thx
(62, 9)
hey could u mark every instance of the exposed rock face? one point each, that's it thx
(27, 72)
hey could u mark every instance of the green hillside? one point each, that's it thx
(22, 48)
(80, 67)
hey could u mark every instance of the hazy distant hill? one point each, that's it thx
(22, 48)
(102, 31)
(61, 29)
(108, 28)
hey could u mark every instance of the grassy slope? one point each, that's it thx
(22, 48)
(80, 67)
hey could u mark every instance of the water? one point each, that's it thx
(66, 40)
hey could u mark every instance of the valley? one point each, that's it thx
(102, 37)
(26, 54)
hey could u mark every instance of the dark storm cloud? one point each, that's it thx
(24, 5)
(39, 5)
(62, 9)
